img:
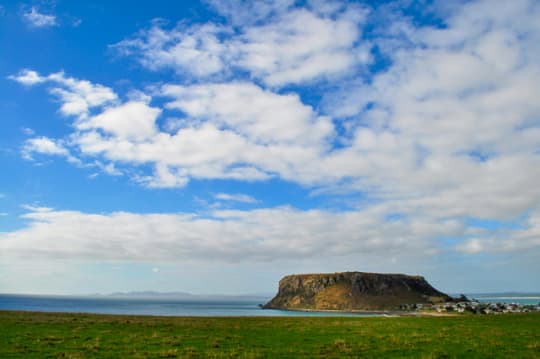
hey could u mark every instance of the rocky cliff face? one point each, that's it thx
(353, 291)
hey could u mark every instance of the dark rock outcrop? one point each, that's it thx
(353, 291)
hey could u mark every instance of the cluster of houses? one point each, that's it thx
(474, 307)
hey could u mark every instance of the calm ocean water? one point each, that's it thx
(519, 298)
(157, 306)
(188, 307)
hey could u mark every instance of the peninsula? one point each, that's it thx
(353, 291)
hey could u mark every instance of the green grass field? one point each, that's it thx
(41, 335)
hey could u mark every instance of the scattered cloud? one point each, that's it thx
(235, 197)
(242, 13)
(302, 46)
(195, 49)
(46, 146)
(287, 48)
(447, 130)
(260, 116)
(36, 19)
(133, 121)
(43, 145)
(36, 208)
(27, 77)
(107, 168)
(78, 97)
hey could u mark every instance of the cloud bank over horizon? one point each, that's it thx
(431, 127)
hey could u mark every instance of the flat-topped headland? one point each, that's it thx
(354, 291)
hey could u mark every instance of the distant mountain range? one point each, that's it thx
(184, 295)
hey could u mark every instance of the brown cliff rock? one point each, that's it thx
(349, 291)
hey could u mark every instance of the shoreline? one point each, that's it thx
(379, 313)
(348, 314)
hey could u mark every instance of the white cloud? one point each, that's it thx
(28, 77)
(108, 168)
(232, 236)
(288, 47)
(78, 97)
(46, 146)
(227, 236)
(448, 131)
(241, 13)
(261, 116)
(302, 46)
(131, 120)
(235, 197)
(232, 131)
(36, 208)
(43, 145)
(451, 127)
(197, 49)
(165, 177)
(36, 19)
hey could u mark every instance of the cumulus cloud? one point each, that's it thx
(453, 114)
(197, 49)
(78, 97)
(234, 131)
(288, 47)
(132, 121)
(262, 116)
(27, 77)
(36, 19)
(448, 130)
(43, 145)
(302, 46)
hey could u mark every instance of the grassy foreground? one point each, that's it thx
(40, 335)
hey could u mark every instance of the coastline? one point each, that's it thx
(374, 313)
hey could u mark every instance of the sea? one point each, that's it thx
(509, 298)
(197, 307)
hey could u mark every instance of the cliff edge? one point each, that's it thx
(353, 291)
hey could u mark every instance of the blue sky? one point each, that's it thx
(215, 146)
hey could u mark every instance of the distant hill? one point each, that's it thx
(353, 291)
(150, 294)
(183, 296)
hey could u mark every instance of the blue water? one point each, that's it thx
(193, 307)
(158, 306)
(518, 298)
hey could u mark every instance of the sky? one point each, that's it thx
(216, 146)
